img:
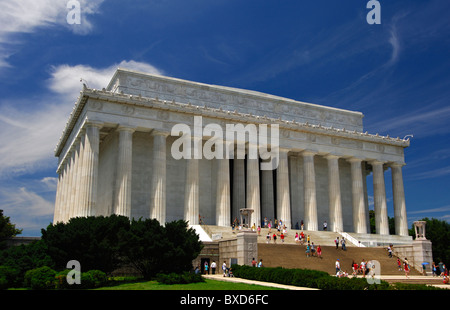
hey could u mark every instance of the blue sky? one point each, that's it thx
(397, 73)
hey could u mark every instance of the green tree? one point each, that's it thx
(93, 241)
(25, 257)
(7, 230)
(182, 248)
(152, 248)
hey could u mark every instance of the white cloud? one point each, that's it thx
(65, 79)
(395, 43)
(28, 137)
(27, 16)
(27, 209)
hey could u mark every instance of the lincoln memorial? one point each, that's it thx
(116, 156)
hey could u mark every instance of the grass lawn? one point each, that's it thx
(207, 285)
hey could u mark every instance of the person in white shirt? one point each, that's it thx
(338, 266)
(213, 267)
(224, 268)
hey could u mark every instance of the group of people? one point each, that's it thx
(341, 241)
(440, 270)
(312, 251)
(364, 268)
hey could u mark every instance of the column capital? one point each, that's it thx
(396, 165)
(159, 133)
(332, 156)
(93, 123)
(126, 128)
(354, 159)
(308, 153)
(376, 162)
(283, 150)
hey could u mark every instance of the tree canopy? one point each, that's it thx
(7, 229)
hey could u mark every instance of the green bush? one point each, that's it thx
(88, 280)
(61, 280)
(175, 278)
(98, 278)
(23, 258)
(305, 278)
(8, 277)
(40, 278)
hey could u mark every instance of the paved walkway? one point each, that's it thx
(389, 278)
(220, 277)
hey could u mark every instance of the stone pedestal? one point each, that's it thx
(247, 247)
(423, 255)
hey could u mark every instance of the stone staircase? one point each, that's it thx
(293, 256)
(289, 254)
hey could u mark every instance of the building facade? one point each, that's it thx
(116, 156)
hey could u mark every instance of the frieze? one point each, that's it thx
(245, 101)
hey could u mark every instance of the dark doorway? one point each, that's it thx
(202, 262)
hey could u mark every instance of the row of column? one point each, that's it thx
(77, 186)
(77, 183)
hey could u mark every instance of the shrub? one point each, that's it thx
(25, 257)
(88, 280)
(40, 278)
(98, 278)
(93, 241)
(175, 278)
(305, 278)
(8, 277)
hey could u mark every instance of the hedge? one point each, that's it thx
(305, 278)
(47, 278)
(175, 278)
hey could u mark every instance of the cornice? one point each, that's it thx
(235, 116)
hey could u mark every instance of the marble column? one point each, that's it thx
(309, 186)
(238, 187)
(72, 182)
(77, 171)
(80, 168)
(65, 188)
(122, 201)
(334, 194)
(401, 223)
(90, 179)
(358, 199)
(379, 193)
(159, 178)
(223, 199)
(57, 211)
(191, 193)
(253, 198)
(283, 195)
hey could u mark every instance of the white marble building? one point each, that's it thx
(115, 158)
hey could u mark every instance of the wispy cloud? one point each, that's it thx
(29, 136)
(29, 209)
(423, 122)
(26, 16)
(434, 210)
(395, 43)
